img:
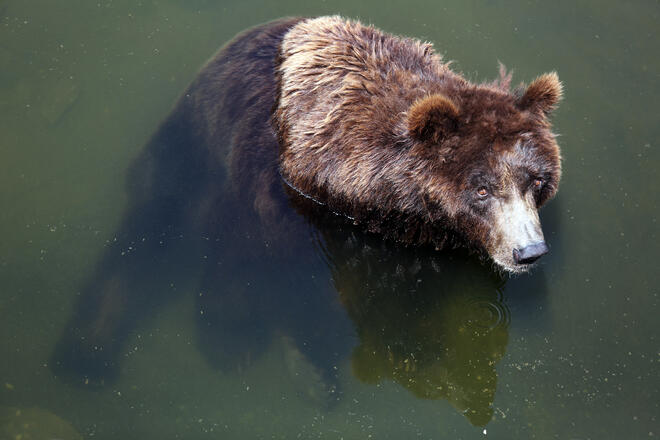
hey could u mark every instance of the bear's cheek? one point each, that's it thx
(547, 193)
(474, 224)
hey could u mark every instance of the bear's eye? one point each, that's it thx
(482, 192)
(537, 183)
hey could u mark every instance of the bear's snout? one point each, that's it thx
(518, 238)
(530, 253)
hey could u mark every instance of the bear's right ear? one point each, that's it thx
(432, 118)
(542, 94)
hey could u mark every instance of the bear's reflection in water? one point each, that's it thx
(206, 203)
(435, 323)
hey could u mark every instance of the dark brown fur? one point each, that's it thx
(379, 128)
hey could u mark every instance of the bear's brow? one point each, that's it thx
(482, 177)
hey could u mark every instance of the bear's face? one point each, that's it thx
(494, 163)
(502, 197)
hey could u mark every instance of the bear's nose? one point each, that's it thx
(530, 253)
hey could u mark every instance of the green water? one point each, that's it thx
(569, 352)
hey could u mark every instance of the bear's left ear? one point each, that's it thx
(542, 95)
(432, 118)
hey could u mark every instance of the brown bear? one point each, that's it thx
(379, 128)
(355, 129)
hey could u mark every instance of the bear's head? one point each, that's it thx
(487, 161)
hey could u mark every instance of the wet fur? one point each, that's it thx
(379, 128)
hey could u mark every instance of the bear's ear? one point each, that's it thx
(542, 95)
(432, 118)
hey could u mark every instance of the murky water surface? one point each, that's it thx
(360, 339)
